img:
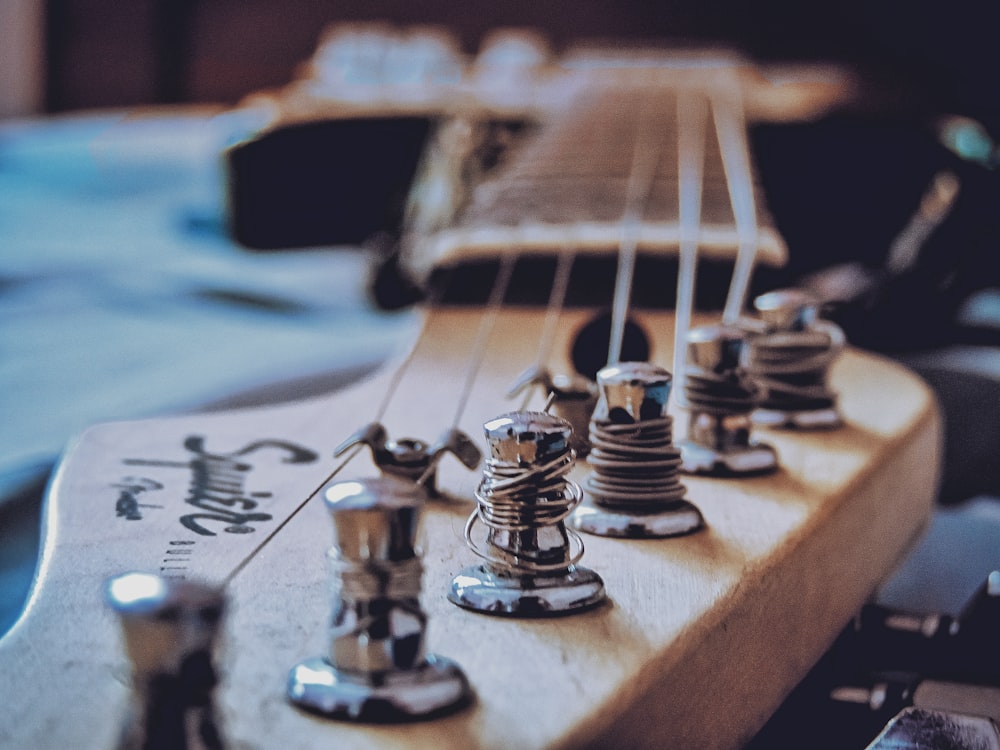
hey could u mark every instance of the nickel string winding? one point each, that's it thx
(790, 356)
(516, 497)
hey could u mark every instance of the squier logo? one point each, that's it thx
(217, 486)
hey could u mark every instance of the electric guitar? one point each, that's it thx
(703, 635)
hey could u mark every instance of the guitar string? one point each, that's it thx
(638, 180)
(690, 183)
(553, 310)
(642, 174)
(497, 294)
(486, 325)
(730, 129)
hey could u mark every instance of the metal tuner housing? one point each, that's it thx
(530, 558)
(790, 360)
(720, 397)
(634, 490)
(170, 629)
(376, 669)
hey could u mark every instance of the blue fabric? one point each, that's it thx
(122, 296)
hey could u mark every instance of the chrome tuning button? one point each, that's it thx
(523, 500)
(411, 458)
(720, 396)
(170, 628)
(634, 489)
(376, 669)
(572, 397)
(790, 359)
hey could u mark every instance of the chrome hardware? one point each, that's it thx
(170, 628)
(573, 397)
(721, 396)
(376, 669)
(523, 501)
(411, 458)
(634, 490)
(790, 359)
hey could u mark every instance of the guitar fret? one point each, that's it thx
(578, 172)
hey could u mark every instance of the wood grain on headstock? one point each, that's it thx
(703, 637)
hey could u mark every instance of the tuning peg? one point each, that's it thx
(376, 668)
(522, 501)
(790, 359)
(634, 490)
(721, 396)
(170, 629)
(411, 458)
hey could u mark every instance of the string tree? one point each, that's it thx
(376, 668)
(720, 397)
(531, 558)
(572, 397)
(412, 458)
(170, 629)
(634, 490)
(790, 357)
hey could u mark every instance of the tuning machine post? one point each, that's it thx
(410, 458)
(720, 396)
(634, 490)
(790, 358)
(170, 628)
(523, 500)
(376, 669)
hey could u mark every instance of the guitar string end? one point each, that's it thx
(721, 396)
(530, 566)
(633, 490)
(571, 397)
(376, 669)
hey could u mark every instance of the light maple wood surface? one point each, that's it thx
(701, 640)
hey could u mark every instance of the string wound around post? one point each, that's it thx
(530, 558)
(634, 490)
(721, 396)
(411, 458)
(376, 668)
(790, 359)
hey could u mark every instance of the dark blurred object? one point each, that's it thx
(931, 56)
(937, 645)
(928, 640)
(916, 728)
(331, 182)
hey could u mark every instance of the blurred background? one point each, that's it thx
(122, 294)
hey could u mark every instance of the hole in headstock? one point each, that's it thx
(590, 345)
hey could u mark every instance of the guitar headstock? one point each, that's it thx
(699, 637)
(712, 628)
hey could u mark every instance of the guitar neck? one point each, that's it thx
(569, 183)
